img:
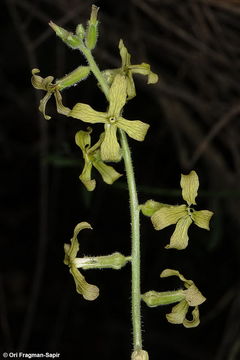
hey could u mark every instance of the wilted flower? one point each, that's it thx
(163, 215)
(112, 120)
(92, 158)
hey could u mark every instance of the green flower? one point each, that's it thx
(163, 215)
(88, 291)
(52, 89)
(112, 120)
(190, 296)
(128, 70)
(46, 84)
(193, 297)
(92, 158)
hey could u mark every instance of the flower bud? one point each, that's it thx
(92, 29)
(67, 37)
(140, 355)
(80, 31)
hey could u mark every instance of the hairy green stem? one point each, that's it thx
(95, 69)
(134, 211)
(135, 223)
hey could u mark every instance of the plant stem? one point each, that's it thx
(135, 223)
(95, 69)
(134, 211)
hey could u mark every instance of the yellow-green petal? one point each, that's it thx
(178, 313)
(88, 291)
(171, 272)
(195, 320)
(43, 103)
(71, 250)
(131, 91)
(87, 114)
(61, 109)
(117, 96)
(144, 69)
(85, 176)
(190, 184)
(41, 83)
(169, 215)
(179, 239)
(83, 140)
(136, 129)
(125, 56)
(108, 173)
(202, 218)
(193, 296)
(110, 149)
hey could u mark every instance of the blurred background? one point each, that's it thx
(193, 110)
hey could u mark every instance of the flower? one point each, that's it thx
(163, 215)
(128, 70)
(190, 296)
(193, 297)
(46, 84)
(92, 158)
(112, 120)
(80, 73)
(88, 291)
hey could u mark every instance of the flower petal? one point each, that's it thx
(43, 103)
(189, 184)
(125, 56)
(144, 69)
(117, 95)
(83, 140)
(195, 321)
(178, 313)
(131, 91)
(169, 215)
(86, 113)
(72, 250)
(88, 291)
(61, 109)
(172, 272)
(193, 296)
(179, 239)
(41, 83)
(110, 149)
(108, 173)
(85, 176)
(202, 218)
(136, 129)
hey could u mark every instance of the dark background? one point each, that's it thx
(193, 111)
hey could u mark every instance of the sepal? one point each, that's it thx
(114, 261)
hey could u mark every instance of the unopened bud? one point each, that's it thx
(140, 355)
(92, 29)
(67, 37)
(80, 31)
